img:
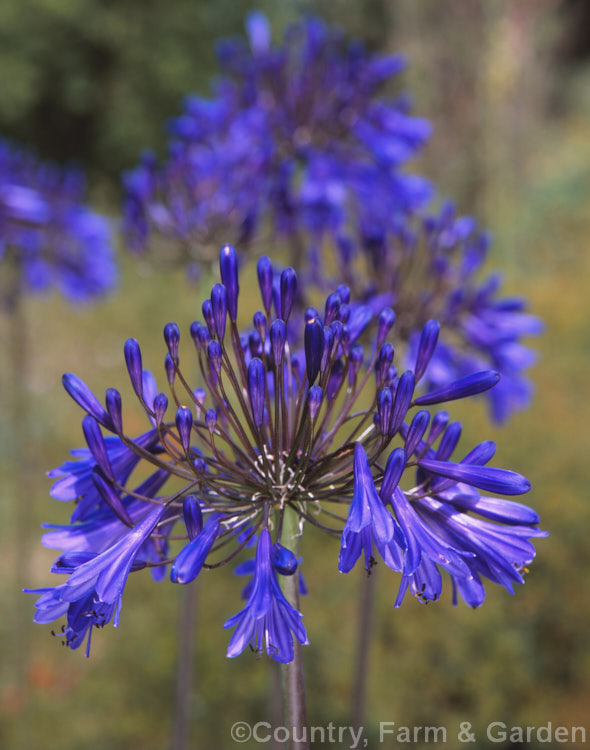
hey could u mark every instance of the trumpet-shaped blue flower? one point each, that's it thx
(267, 621)
(369, 523)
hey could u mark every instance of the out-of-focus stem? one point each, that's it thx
(366, 602)
(184, 665)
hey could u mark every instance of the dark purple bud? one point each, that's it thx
(113, 404)
(204, 337)
(193, 518)
(265, 277)
(385, 324)
(416, 432)
(160, 406)
(255, 344)
(228, 266)
(391, 378)
(276, 296)
(207, 308)
(170, 369)
(344, 313)
(278, 336)
(211, 419)
(219, 305)
(314, 401)
(200, 467)
(335, 380)
(344, 293)
(256, 389)
(310, 314)
(484, 477)
(346, 340)
(288, 289)
(481, 454)
(134, 365)
(356, 357)
(283, 560)
(84, 397)
(314, 347)
(214, 354)
(448, 442)
(97, 446)
(402, 401)
(337, 329)
(195, 327)
(172, 337)
(394, 468)
(383, 363)
(426, 347)
(333, 303)
(111, 498)
(468, 386)
(439, 422)
(191, 558)
(384, 407)
(184, 424)
(259, 321)
(328, 344)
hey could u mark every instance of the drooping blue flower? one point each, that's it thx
(93, 591)
(267, 622)
(369, 523)
(49, 238)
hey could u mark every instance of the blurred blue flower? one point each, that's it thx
(290, 134)
(431, 266)
(48, 237)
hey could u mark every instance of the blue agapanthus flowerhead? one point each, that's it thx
(278, 436)
(48, 237)
(211, 185)
(289, 135)
(430, 267)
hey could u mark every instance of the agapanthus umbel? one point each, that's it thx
(288, 135)
(48, 237)
(430, 266)
(275, 439)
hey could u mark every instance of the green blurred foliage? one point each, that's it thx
(96, 81)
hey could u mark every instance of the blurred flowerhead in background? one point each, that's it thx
(304, 141)
(48, 237)
(290, 132)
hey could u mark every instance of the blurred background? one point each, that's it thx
(506, 84)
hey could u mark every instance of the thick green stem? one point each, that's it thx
(292, 674)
